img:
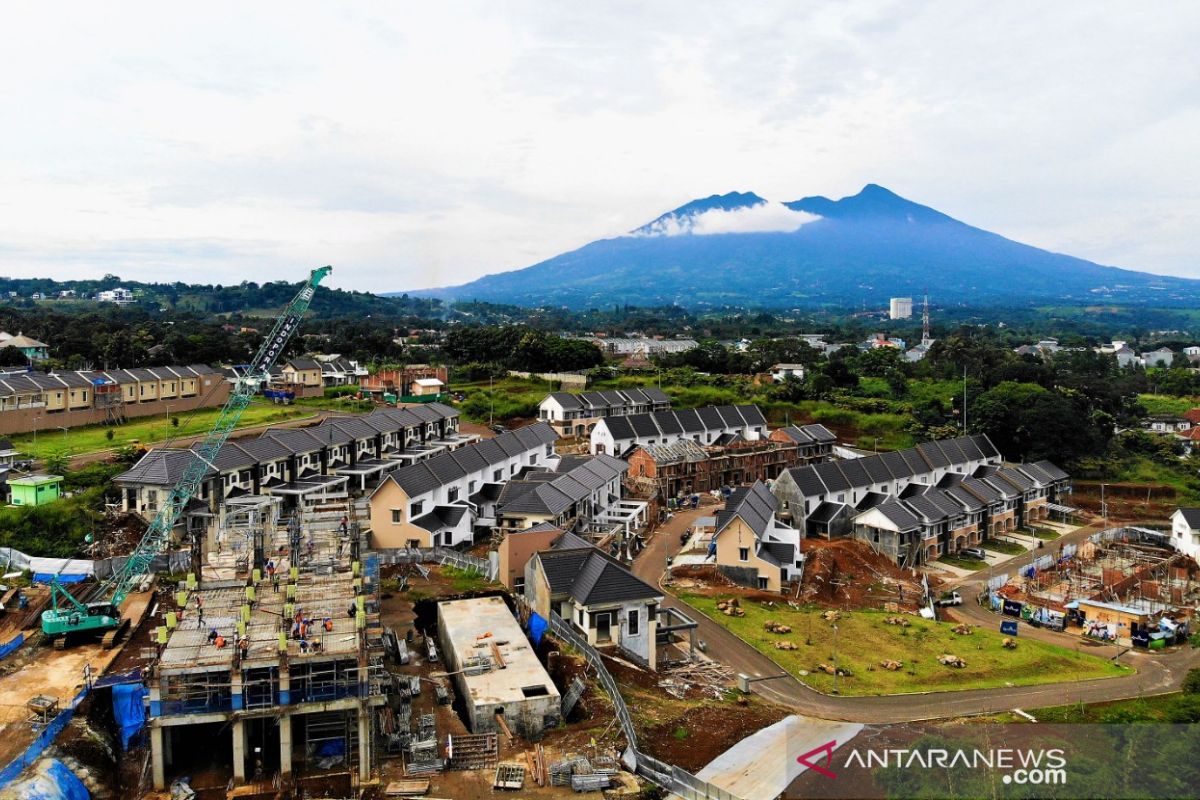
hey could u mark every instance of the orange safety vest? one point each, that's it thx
(328, 624)
(220, 642)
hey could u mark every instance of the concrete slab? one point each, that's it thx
(766, 763)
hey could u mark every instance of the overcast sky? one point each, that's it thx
(424, 144)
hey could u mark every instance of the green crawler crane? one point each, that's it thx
(67, 614)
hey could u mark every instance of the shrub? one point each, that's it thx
(1191, 681)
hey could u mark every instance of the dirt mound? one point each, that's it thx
(116, 535)
(848, 573)
(698, 735)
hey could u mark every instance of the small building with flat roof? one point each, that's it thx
(35, 490)
(495, 669)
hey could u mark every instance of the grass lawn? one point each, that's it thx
(964, 563)
(1006, 547)
(463, 580)
(1045, 534)
(1167, 404)
(863, 641)
(143, 430)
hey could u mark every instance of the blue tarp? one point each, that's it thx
(12, 644)
(53, 782)
(537, 627)
(129, 710)
(63, 577)
(334, 747)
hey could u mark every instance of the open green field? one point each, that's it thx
(1167, 404)
(144, 430)
(864, 640)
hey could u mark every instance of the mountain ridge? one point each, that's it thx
(741, 249)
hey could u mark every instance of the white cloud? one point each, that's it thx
(767, 217)
(427, 144)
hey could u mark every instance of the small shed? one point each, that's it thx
(35, 490)
(424, 386)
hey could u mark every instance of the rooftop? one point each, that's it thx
(470, 626)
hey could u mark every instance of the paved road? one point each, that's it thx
(1155, 674)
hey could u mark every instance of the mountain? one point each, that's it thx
(740, 249)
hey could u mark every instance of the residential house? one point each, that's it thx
(752, 547)
(32, 349)
(428, 387)
(120, 295)
(400, 505)
(339, 371)
(619, 346)
(577, 414)
(848, 482)
(597, 595)
(35, 400)
(1167, 423)
(708, 425)
(304, 377)
(781, 372)
(815, 442)
(1162, 357)
(518, 547)
(341, 454)
(1185, 532)
(581, 490)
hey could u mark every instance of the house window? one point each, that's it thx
(397, 516)
(416, 508)
(452, 494)
(743, 554)
(519, 585)
(512, 470)
(634, 625)
(762, 583)
(498, 475)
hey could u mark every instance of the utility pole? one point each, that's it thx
(925, 320)
(964, 400)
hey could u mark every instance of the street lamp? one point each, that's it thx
(876, 445)
(1103, 506)
(66, 443)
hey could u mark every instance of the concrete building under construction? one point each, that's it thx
(276, 675)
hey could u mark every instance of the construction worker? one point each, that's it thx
(343, 526)
(199, 612)
(304, 646)
(219, 641)
(244, 646)
(328, 624)
(212, 635)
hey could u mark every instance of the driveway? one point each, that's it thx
(1155, 674)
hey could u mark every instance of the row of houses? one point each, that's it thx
(440, 501)
(919, 504)
(37, 400)
(685, 466)
(709, 425)
(341, 455)
(576, 415)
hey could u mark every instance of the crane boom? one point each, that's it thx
(106, 612)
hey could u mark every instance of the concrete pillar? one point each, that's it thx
(285, 746)
(157, 757)
(235, 689)
(239, 751)
(364, 745)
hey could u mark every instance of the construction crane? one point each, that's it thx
(69, 615)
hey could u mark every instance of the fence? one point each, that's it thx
(176, 561)
(670, 777)
(439, 555)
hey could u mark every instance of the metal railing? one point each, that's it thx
(668, 776)
(439, 555)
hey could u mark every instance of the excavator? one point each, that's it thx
(68, 615)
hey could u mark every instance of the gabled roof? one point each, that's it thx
(302, 364)
(754, 505)
(809, 434)
(592, 578)
(1191, 516)
(419, 478)
(1051, 471)
(159, 467)
(676, 452)
(441, 517)
(555, 492)
(898, 514)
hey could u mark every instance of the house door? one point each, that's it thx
(604, 627)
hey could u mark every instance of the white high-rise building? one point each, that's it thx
(901, 308)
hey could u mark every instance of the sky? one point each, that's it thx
(419, 145)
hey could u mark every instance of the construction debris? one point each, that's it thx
(899, 621)
(562, 771)
(730, 608)
(784, 645)
(509, 776)
(472, 751)
(829, 669)
(963, 629)
(407, 788)
(1009, 643)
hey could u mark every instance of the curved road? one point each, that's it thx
(1155, 674)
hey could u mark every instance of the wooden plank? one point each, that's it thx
(496, 654)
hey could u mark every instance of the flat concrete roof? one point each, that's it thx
(465, 625)
(322, 593)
